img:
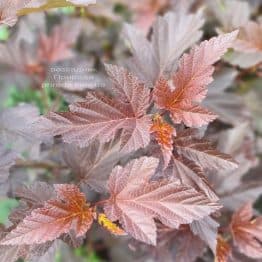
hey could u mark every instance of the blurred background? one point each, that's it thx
(50, 59)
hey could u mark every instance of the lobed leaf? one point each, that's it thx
(102, 117)
(180, 244)
(250, 38)
(190, 82)
(68, 211)
(247, 232)
(92, 165)
(136, 200)
(57, 45)
(190, 173)
(31, 197)
(13, 253)
(202, 153)
(172, 35)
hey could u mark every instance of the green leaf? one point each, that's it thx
(43, 99)
(88, 254)
(68, 10)
(58, 256)
(4, 33)
(6, 205)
